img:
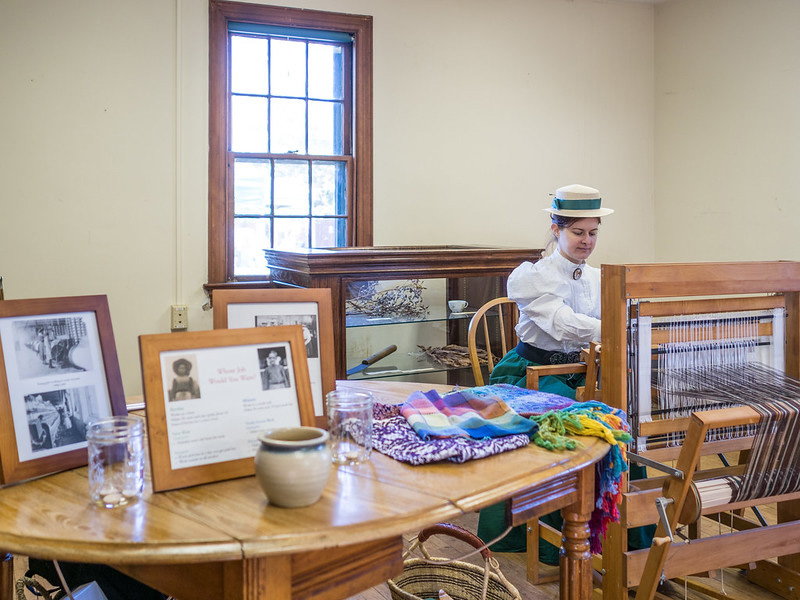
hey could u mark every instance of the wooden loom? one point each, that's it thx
(665, 290)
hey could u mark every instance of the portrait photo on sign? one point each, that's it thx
(308, 308)
(59, 372)
(210, 394)
(184, 385)
(274, 368)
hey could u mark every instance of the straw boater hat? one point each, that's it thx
(577, 201)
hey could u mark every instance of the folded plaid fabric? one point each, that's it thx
(463, 413)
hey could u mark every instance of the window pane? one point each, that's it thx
(249, 124)
(288, 126)
(291, 233)
(328, 187)
(291, 187)
(324, 128)
(325, 71)
(251, 187)
(251, 237)
(328, 233)
(249, 65)
(288, 68)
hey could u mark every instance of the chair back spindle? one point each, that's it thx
(507, 316)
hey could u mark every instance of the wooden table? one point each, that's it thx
(223, 541)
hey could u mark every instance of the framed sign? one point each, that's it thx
(310, 308)
(58, 371)
(210, 394)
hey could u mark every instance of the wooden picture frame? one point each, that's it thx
(309, 307)
(210, 394)
(58, 371)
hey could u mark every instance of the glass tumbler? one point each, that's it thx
(116, 460)
(349, 426)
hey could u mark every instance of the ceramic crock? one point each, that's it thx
(293, 465)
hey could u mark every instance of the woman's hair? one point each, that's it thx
(561, 222)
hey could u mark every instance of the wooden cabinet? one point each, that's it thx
(424, 277)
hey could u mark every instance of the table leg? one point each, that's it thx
(576, 557)
(6, 576)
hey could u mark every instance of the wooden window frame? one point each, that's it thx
(220, 195)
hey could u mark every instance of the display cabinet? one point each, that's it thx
(397, 296)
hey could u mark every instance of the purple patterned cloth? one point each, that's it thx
(394, 437)
(523, 401)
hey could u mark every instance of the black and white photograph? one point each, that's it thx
(274, 368)
(51, 346)
(58, 418)
(60, 369)
(184, 382)
(307, 322)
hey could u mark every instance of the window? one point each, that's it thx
(290, 134)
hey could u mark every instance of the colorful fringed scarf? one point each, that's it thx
(598, 420)
(501, 409)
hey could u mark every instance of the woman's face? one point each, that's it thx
(577, 241)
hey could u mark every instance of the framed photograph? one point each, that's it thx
(310, 308)
(209, 394)
(58, 371)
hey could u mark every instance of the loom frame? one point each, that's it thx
(709, 286)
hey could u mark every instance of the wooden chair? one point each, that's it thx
(507, 315)
(589, 365)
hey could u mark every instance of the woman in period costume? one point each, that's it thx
(559, 313)
(559, 296)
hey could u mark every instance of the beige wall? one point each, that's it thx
(727, 130)
(481, 110)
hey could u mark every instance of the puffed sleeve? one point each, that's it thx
(554, 304)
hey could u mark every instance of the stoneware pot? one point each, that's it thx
(293, 465)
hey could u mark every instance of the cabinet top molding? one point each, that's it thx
(401, 261)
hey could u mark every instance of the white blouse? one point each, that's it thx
(557, 312)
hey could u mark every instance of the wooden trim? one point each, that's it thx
(363, 133)
(708, 554)
(613, 327)
(697, 334)
(710, 279)
(218, 231)
(706, 305)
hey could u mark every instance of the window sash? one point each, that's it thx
(359, 137)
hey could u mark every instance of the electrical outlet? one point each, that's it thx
(179, 317)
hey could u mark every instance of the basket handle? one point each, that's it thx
(457, 532)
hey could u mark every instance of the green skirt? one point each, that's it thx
(512, 369)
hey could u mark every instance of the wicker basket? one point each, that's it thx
(423, 579)
(25, 583)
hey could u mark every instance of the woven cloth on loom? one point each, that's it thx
(556, 419)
